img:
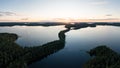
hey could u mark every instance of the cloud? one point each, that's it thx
(1, 15)
(109, 15)
(24, 18)
(107, 19)
(7, 13)
(7, 20)
(99, 2)
(87, 20)
(113, 19)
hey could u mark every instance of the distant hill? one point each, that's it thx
(31, 23)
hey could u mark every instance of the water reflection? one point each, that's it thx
(72, 47)
(26, 55)
(33, 35)
(49, 48)
(78, 41)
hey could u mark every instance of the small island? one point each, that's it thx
(103, 57)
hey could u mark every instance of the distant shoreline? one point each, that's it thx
(31, 23)
(57, 23)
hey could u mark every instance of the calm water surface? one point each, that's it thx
(77, 43)
(73, 55)
(33, 35)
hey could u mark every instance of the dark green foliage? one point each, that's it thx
(17, 64)
(31, 24)
(62, 34)
(40, 52)
(14, 56)
(79, 25)
(104, 57)
(9, 51)
(7, 37)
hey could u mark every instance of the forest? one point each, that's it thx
(13, 55)
(103, 57)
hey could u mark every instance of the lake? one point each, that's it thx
(73, 55)
(33, 35)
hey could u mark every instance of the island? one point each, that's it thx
(103, 57)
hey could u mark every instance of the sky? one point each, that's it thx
(59, 10)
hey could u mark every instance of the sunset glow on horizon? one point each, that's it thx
(59, 10)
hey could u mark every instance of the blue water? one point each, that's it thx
(33, 35)
(73, 55)
(77, 43)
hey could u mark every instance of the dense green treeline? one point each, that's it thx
(62, 36)
(78, 25)
(14, 56)
(40, 52)
(5, 37)
(103, 57)
(9, 51)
